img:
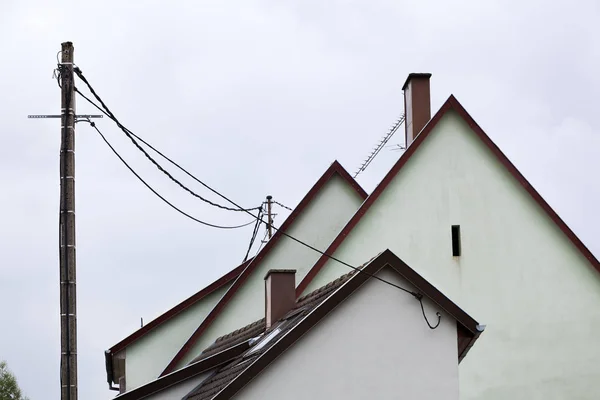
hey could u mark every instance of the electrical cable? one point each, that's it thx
(133, 137)
(420, 298)
(171, 161)
(254, 233)
(263, 241)
(279, 204)
(165, 157)
(107, 112)
(156, 193)
(416, 295)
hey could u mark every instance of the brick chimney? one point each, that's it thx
(280, 294)
(417, 104)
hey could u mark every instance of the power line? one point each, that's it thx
(254, 233)
(133, 137)
(281, 205)
(155, 192)
(167, 158)
(264, 239)
(130, 134)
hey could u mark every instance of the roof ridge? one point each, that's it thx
(321, 290)
(230, 334)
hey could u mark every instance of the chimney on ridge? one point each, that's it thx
(280, 294)
(417, 105)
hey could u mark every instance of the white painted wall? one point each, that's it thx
(147, 357)
(375, 345)
(179, 390)
(518, 272)
(317, 225)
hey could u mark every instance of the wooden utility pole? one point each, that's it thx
(270, 216)
(68, 309)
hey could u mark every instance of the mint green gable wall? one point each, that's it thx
(147, 357)
(518, 273)
(180, 389)
(317, 225)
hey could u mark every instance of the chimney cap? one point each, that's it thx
(280, 271)
(414, 75)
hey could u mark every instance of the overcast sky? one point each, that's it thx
(256, 98)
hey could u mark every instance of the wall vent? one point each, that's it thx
(456, 240)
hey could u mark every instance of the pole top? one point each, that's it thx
(269, 197)
(67, 52)
(67, 47)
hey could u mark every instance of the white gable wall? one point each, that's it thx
(375, 345)
(148, 356)
(180, 389)
(317, 225)
(518, 272)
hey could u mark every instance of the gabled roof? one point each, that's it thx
(190, 301)
(335, 169)
(451, 104)
(232, 339)
(226, 381)
(258, 328)
(207, 364)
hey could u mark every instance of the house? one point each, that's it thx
(460, 213)
(363, 335)
(180, 334)
(455, 209)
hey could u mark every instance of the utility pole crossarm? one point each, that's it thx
(81, 116)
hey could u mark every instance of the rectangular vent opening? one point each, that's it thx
(456, 240)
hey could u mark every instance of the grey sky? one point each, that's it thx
(257, 98)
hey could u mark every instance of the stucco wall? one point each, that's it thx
(147, 357)
(375, 345)
(518, 273)
(179, 390)
(317, 225)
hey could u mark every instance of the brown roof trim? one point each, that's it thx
(466, 325)
(190, 301)
(428, 290)
(335, 168)
(190, 371)
(465, 341)
(454, 105)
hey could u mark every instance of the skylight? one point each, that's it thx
(265, 341)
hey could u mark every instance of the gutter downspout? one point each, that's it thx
(109, 370)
